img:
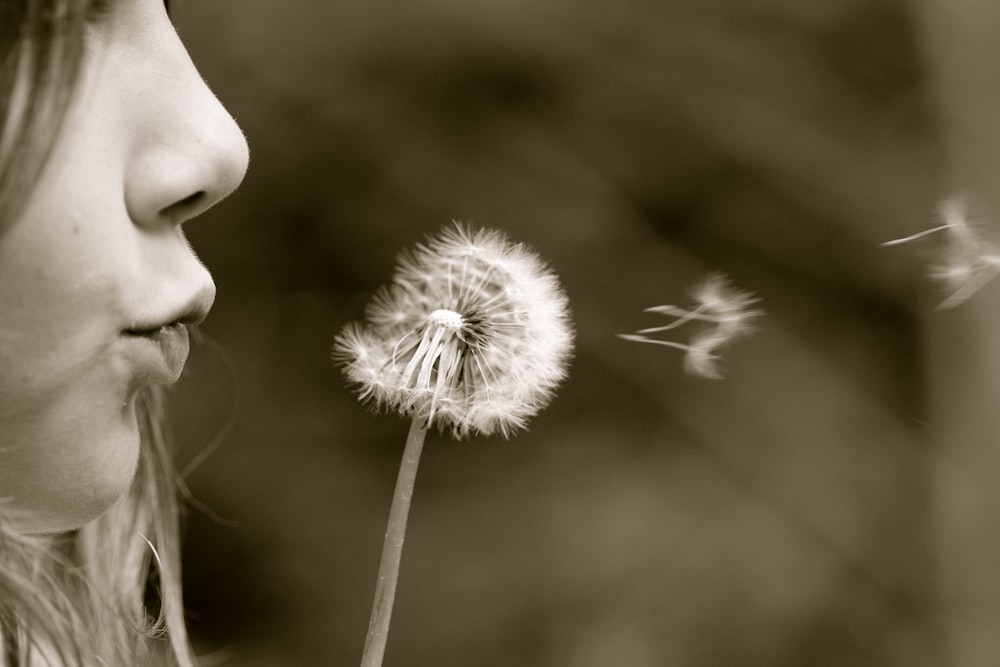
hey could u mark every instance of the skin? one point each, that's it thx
(100, 249)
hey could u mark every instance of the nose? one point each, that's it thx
(187, 153)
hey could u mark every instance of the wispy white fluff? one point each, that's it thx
(724, 311)
(967, 262)
(473, 335)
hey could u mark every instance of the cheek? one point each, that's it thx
(57, 321)
(58, 273)
(68, 437)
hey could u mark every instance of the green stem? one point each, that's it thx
(392, 548)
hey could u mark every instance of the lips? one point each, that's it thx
(159, 354)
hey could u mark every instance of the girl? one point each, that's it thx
(109, 143)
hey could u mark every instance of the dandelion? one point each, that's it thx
(727, 314)
(471, 336)
(968, 261)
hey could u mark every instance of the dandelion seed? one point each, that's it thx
(472, 336)
(724, 311)
(967, 262)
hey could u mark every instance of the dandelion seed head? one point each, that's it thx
(472, 335)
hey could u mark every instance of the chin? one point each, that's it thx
(67, 461)
(75, 512)
(57, 520)
(80, 488)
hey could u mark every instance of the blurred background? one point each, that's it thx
(790, 514)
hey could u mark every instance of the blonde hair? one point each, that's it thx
(41, 45)
(80, 598)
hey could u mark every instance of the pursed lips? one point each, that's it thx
(159, 354)
(160, 349)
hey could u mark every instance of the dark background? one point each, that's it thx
(778, 517)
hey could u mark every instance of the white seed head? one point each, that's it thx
(472, 335)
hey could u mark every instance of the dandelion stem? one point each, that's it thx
(392, 548)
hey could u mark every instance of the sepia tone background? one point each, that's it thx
(826, 504)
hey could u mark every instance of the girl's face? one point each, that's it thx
(97, 281)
